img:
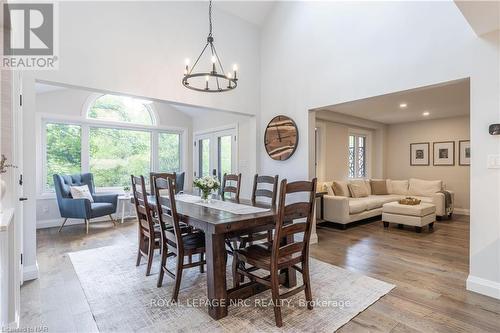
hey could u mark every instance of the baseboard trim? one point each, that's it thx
(30, 272)
(483, 286)
(42, 224)
(461, 211)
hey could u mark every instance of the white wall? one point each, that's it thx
(400, 136)
(138, 48)
(325, 53)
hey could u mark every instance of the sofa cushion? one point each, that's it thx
(357, 205)
(399, 187)
(379, 186)
(373, 202)
(425, 199)
(340, 188)
(386, 198)
(425, 188)
(358, 189)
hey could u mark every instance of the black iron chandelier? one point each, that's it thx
(214, 80)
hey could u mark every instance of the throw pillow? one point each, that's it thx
(340, 188)
(81, 192)
(379, 186)
(358, 190)
(399, 187)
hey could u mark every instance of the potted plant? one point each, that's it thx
(207, 185)
(126, 189)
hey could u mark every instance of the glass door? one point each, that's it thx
(215, 153)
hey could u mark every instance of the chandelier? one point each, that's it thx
(214, 80)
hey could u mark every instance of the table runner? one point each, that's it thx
(230, 207)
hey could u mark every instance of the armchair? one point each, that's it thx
(104, 204)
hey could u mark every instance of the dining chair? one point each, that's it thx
(279, 255)
(231, 183)
(165, 175)
(265, 188)
(149, 236)
(181, 242)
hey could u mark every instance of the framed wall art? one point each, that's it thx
(444, 153)
(419, 153)
(464, 152)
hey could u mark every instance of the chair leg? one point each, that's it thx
(234, 267)
(141, 246)
(307, 283)
(87, 222)
(62, 225)
(202, 267)
(112, 220)
(164, 255)
(178, 276)
(275, 289)
(151, 247)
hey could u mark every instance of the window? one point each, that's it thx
(115, 154)
(357, 156)
(63, 150)
(117, 137)
(121, 109)
(169, 151)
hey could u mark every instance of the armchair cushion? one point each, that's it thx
(101, 209)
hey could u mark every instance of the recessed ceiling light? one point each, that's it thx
(403, 105)
(426, 113)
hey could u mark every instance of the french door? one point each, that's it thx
(215, 153)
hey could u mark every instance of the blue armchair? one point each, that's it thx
(104, 204)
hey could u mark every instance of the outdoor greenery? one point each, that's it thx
(63, 150)
(122, 109)
(113, 153)
(168, 152)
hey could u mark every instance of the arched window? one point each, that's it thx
(121, 109)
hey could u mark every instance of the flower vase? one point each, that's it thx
(205, 196)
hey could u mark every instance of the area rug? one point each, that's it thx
(123, 299)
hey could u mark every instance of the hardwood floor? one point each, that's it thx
(428, 269)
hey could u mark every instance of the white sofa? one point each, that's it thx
(346, 209)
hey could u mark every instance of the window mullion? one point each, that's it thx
(155, 162)
(85, 149)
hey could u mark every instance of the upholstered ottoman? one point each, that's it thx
(413, 215)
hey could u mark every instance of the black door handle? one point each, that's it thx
(23, 199)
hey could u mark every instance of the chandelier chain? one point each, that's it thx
(210, 18)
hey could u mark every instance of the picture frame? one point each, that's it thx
(444, 153)
(464, 152)
(419, 154)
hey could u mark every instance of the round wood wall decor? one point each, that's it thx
(281, 138)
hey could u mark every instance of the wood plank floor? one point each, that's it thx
(428, 269)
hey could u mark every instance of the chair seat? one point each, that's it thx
(249, 238)
(98, 209)
(259, 255)
(192, 241)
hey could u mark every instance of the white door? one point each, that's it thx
(18, 160)
(215, 153)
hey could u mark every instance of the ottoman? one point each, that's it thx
(418, 216)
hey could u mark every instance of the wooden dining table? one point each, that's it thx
(219, 225)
